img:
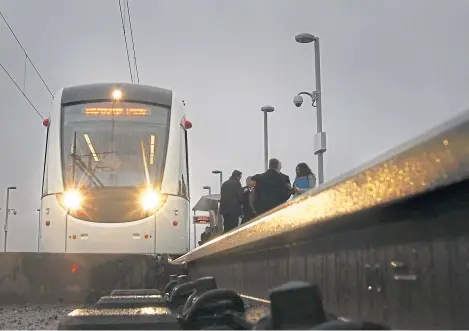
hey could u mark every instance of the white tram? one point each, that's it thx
(116, 171)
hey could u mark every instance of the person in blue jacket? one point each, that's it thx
(305, 179)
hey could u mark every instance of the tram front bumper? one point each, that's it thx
(75, 278)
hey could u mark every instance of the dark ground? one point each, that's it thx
(33, 317)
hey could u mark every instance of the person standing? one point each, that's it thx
(272, 188)
(305, 179)
(230, 201)
(205, 236)
(248, 213)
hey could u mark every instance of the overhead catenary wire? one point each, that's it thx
(125, 39)
(19, 88)
(133, 43)
(26, 54)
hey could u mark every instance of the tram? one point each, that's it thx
(116, 171)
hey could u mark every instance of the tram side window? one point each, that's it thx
(183, 165)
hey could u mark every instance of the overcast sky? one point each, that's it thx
(390, 70)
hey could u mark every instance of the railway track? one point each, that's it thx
(200, 305)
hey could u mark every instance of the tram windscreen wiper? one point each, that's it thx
(88, 173)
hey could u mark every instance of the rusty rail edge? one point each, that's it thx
(433, 160)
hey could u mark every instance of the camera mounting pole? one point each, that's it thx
(7, 212)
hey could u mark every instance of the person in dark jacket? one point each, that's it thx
(230, 201)
(205, 236)
(248, 213)
(272, 188)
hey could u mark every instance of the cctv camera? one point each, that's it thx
(298, 100)
(14, 212)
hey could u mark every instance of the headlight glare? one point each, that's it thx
(72, 200)
(150, 200)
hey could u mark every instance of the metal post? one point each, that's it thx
(320, 137)
(219, 172)
(266, 143)
(219, 216)
(195, 232)
(7, 211)
(265, 110)
(5, 226)
(317, 65)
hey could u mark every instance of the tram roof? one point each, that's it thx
(130, 92)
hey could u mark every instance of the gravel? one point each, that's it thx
(47, 316)
(33, 317)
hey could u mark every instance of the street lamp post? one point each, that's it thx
(195, 225)
(209, 189)
(7, 212)
(219, 172)
(266, 110)
(320, 137)
(219, 222)
(195, 231)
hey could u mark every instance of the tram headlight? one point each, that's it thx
(116, 94)
(72, 200)
(150, 200)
